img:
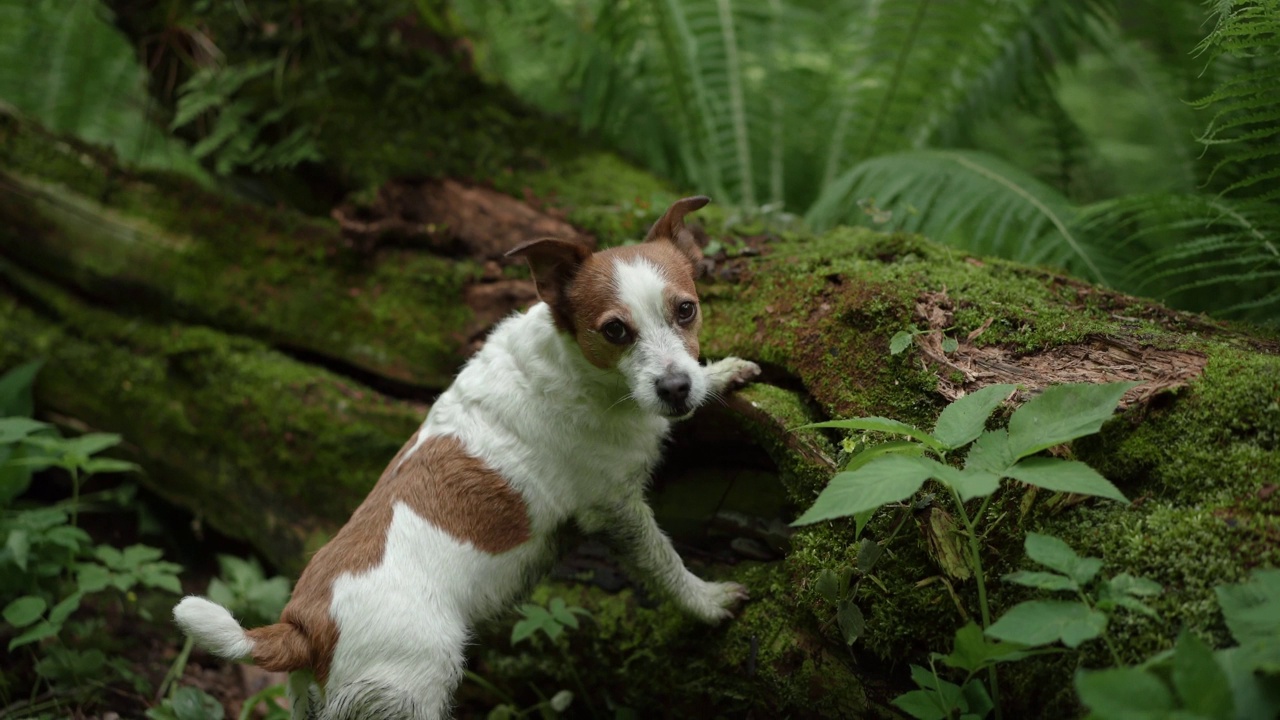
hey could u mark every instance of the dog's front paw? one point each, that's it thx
(713, 602)
(732, 372)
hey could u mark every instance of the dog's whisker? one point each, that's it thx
(621, 400)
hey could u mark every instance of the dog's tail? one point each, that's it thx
(281, 647)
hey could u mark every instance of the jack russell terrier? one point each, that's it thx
(560, 417)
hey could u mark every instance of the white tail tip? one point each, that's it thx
(213, 628)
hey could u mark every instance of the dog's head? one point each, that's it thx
(633, 308)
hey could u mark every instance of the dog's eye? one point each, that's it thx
(686, 311)
(615, 332)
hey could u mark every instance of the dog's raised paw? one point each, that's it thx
(718, 600)
(733, 372)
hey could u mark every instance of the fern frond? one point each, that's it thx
(931, 68)
(967, 199)
(1246, 105)
(1198, 252)
(64, 65)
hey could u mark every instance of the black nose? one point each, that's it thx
(673, 389)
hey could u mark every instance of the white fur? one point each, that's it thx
(659, 349)
(213, 627)
(577, 442)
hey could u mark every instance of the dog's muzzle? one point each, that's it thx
(673, 390)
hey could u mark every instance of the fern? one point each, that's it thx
(1246, 106)
(63, 65)
(234, 137)
(970, 200)
(1195, 251)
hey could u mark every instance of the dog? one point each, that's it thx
(559, 418)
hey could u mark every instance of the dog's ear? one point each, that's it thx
(554, 264)
(670, 227)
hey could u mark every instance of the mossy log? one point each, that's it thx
(263, 368)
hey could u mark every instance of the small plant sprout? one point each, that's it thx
(552, 621)
(895, 471)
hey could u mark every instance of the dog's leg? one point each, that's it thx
(650, 552)
(729, 373)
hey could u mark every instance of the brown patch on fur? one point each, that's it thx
(442, 484)
(554, 263)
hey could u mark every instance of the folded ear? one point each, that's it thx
(670, 227)
(554, 264)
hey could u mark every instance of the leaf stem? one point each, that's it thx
(975, 556)
(582, 688)
(75, 495)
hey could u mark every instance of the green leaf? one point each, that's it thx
(898, 447)
(887, 479)
(91, 578)
(19, 546)
(1040, 622)
(828, 585)
(90, 443)
(869, 552)
(972, 652)
(900, 341)
(1254, 674)
(35, 633)
(162, 581)
(63, 610)
(1065, 476)
(13, 429)
(136, 555)
(1041, 580)
(93, 466)
(67, 536)
(1061, 414)
(950, 344)
(991, 453)
(963, 420)
(190, 703)
(1198, 679)
(1251, 608)
(524, 629)
(111, 557)
(970, 483)
(980, 704)
(1126, 584)
(1055, 554)
(879, 424)
(921, 704)
(15, 388)
(24, 611)
(852, 624)
(562, 614)
(1124, 693)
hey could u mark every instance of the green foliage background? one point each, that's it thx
(1133, 144)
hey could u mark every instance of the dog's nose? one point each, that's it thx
(673, 389)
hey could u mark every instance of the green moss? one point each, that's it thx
(1213, 443)
(598, 192)
(181, 252)
(265, 448)
(762, 661)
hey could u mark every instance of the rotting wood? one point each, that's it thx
(1104, 358)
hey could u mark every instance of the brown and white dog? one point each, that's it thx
(559, 418)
